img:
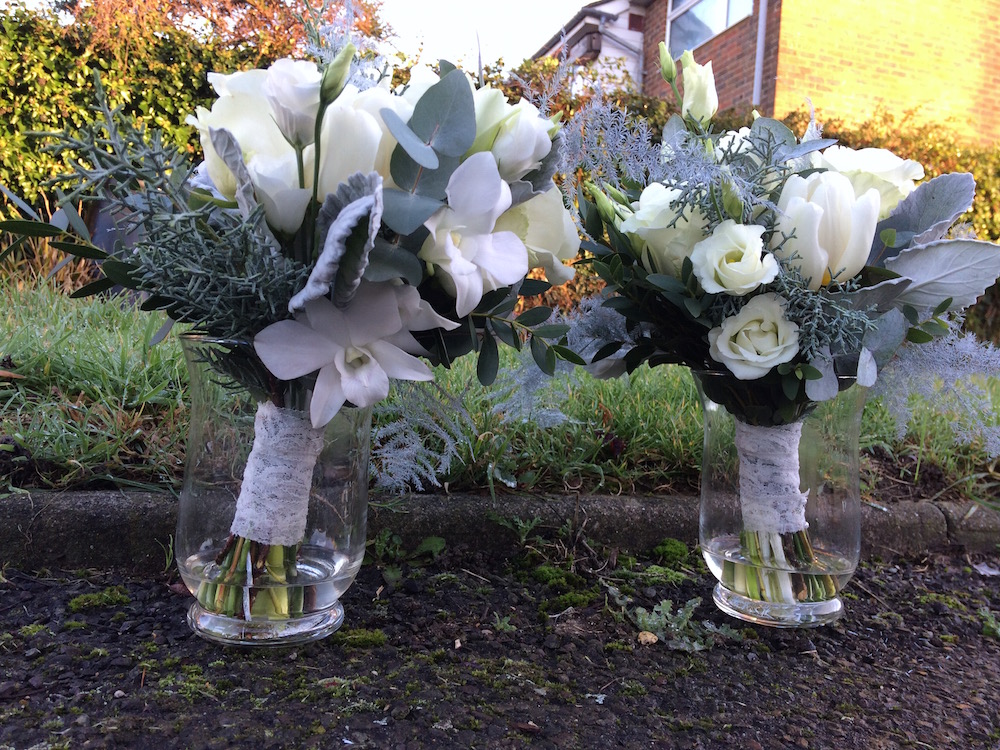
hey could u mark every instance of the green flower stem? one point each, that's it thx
(266, 591)
(770, 573)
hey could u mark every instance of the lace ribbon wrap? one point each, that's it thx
(769, 478)
(274, 497)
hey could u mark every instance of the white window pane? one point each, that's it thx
(697, 25)
(739, 9)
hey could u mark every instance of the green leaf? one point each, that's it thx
(413, 178)
(532, 287)
(790, 386)
(506, 333)
(28, 228)
(94, 287)
(409, 141)
(488, 363)
(606, 351)
(568, 355)
(917, 336)
(543, 355)
(387, 261)
(79, 250)
(552, 331)
(432, 545)
(445, 116)
(534, 316)
(405, 212)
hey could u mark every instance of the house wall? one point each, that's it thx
(936, 57)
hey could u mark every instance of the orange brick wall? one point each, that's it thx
(937, 56)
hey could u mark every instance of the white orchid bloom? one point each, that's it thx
(469, 257)
(350, 348)
(276, 180)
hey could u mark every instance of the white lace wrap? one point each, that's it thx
(769, 478)
(274, 498)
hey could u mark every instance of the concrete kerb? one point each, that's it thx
(134, 530)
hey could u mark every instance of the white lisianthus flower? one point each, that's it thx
(756, 339)
(732, 260)
(275, 180)
(547, 230)
(868, 168)
(292, 89)
(352, 349)
(243, 110)
(517, 135)
(666, 246)
(466, 253)
(833, 230)
(700, 101)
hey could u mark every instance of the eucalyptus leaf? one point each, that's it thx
(409, 141)
(543, 355)
(772, 131)
(405, 212)
(960, 269)
(886, 337)
(506, 333)
(387, 262)
(445, 116)
(533, 287)
(413, 178)
(826, 386)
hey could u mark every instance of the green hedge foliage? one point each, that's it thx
(47, 78)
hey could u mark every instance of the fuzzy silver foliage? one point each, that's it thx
(421, 433)
(525, 394)
(948, 372)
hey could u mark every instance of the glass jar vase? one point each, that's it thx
(272, 518)
(780, 520)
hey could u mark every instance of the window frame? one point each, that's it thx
(677, 8)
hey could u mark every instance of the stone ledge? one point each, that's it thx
(133, 530)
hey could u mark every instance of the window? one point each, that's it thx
(693, 22)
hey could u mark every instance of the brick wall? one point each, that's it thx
(732, 55)
(936, 56)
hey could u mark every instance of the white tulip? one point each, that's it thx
(700, 101)
(756, 339)
(868, 168)
(732, 260)
(830, 230)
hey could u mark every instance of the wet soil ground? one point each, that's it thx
(541, 650)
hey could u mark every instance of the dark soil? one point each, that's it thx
(534, 651)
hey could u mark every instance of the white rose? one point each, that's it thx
(666, 245)
(756, 339)
(547, 230)
(833, 229)
(893, 177)
(700, 101)
(732, 260)
(292, 89)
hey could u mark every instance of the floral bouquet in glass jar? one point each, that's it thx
(782, 272)
(338, 234)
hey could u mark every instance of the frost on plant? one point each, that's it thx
(948, 372)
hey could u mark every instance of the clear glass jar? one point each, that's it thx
(267, 560)
(780, 521)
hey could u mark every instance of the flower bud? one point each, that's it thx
(668, 68)
(700, 102)
(337, 73)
